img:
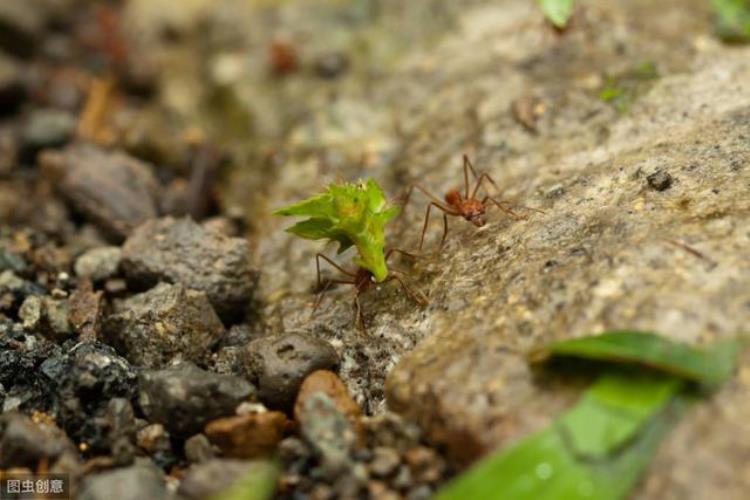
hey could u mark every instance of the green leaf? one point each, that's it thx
(732, 20)
(257, 484)
(620, 442)
(349, 214)
(708, 366)
(557, 11)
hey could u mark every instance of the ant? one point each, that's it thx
(362, 280)
(465, 205)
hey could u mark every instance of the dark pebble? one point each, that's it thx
(181, 251)
(21, 26)
(184, 398)
(111, 189)
(279, 363)
(82, 382)
(198, 449)
(659, 180)
(45, 128)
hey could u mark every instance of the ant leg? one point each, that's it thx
(425, 192)
(419, 298)
(318, 256)
(402, 252)
(467, 166)
(319, 298)
(359, 317)
(445, 230)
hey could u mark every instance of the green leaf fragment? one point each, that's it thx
(259, 483)
(708, 366)
(348, 214)
(557, 11)
(732, 20)
(617, 442)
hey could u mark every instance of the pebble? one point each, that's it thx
(82, 381)
(279, 363)
(136, 482)
(659, 180)
(113, 190)
(21, 26)
(330, 384)
(25, 443)
(184, 398)
(384, 462)
(181, 251)
(248, 436)
(165, 322)
(205, 480)
(11, 88)
(45, 128)
(328, 431)
(153, 438)
(86, 311)
(98, 264)
(121, 424)
(198, 449)
(46, 315)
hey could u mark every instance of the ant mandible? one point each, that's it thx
(467, 205)
(362, 280)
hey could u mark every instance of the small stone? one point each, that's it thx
(98, 264)
(25, 443)
(329, 433)
(153, 438)
(205, 480)
(659, 180)
(46, 315)
(385, 461)
(248, 436)
(279, 364)
(21, 26)
(10, 261)
(198, 449)
(181, 251)
(166, 322)
(11, 88)
(331, 385)
(86, 310)
(380, 490)
(45, 128)
(184, 398)
(330, 65)
(425, 464)
(111, 189)
(121, 423)
(423, 492)
(136, 482)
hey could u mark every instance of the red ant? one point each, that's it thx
(362, 280)
(467, 205)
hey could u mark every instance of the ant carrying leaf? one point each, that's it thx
(351, 215)
(465, 205)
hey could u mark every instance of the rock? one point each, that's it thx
(181, 251)
(21, 26)
(136, 482)
(248, 436)
(98, 264)
(82, 382)
(184, 398)
(10, 261)
(198, 449)
(11, 88)
(384, 462)
(113, 190)
(121, 425)
(279, 363)
(206, 479)
(425, 464)
(330, 384)
(659, 180)
(19, 365)
(330, 65)
(166, 322)
(25, 443)
(45, 128)
(329, 433)
(14, 290)
(86, 308)
(46, 315)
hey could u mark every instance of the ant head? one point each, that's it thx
(478, 220)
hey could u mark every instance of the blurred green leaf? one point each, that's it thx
(597, 451)
(258, 484)
(732, 20)
(557, 11)
(710, 366)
